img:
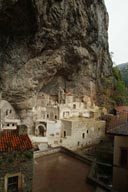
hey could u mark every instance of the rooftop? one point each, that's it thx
(121, 130)
(60, 173)
(76, 119)
(12, 120)
(121, 108)
(10, 141)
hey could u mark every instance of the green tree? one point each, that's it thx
(120, 91)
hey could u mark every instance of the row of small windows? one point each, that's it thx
(8, 112)
(54, 116)
(66, 114)
(83, 134)
(10, 124)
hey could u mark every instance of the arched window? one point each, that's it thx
(42, 131)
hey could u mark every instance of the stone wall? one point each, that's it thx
(17, 162)
(115, 120)
(120, 173)
(67, 127)
(83, 133)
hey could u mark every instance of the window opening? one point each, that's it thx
(83, 135)
(13, 184)
(64, 133)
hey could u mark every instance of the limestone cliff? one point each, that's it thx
(46, 44)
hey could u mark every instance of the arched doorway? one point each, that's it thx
(40, 130)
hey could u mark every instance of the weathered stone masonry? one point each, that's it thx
(17, 163)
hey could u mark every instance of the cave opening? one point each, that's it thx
(19, 18)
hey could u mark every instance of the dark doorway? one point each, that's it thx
(42, 131)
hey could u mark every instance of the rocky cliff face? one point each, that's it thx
(49, 44)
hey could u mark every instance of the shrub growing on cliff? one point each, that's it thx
(117, 74)
(120, 91)
(28, 155)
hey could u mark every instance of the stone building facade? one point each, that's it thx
(68, 120)
(79, 132)
(63, 119)
(8, 116)
(120, 163)
(16, 162)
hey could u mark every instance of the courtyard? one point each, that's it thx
(60, 173)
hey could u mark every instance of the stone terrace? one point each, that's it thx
(60, 173)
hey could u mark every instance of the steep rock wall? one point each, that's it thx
(49, 44)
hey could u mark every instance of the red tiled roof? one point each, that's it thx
(121, 108)
(9, 141)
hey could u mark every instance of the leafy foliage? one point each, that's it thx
(28, 155)
(124, 72)
(10, 159)
(117, 74)
(120, 91)
(125, 77)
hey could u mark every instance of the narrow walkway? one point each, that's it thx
(60, 173)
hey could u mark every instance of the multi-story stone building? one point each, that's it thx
(63, 119)
(120, 168)
(67, 120)
(16, 162)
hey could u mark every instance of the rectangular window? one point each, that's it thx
(63, 114)
(124, 157)
(74, 106)
(13, 184)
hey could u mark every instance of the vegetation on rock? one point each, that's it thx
(120, 89)
(124, 72)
